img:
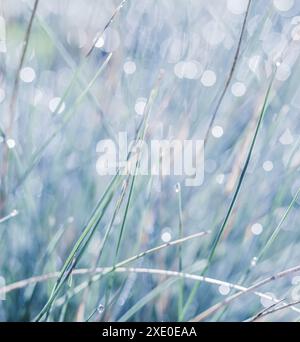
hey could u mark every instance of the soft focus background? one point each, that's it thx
(60, 104)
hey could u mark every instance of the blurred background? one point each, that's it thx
(85, 78)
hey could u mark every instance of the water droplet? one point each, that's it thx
(129, 67)
(177, 188)
(254, 262)
(208, 78)
(166, 235)
(140, 105)
(11, 143)
(217, 132)
(257, 229)
(224, 290)
(268, 166)
(100, 309)
(70, 219)
(14, 213)
(238, 89)
(27, 75)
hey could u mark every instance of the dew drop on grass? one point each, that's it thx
(140, 105)
(11, 143)
(27, 75)
(217, 132)
(257, 229)
(238, 89)
(224, 290)
(268, 166)
(283, 72)
(208, 78)
(166, 235)
(99, 42)
(100, 309)
(129, 67)
(14, 213)
(254, 262)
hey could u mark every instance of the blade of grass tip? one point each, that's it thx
(231, 73)
(13, 214)
(66, 118)
(82, 81)
(180, 265)
(81, 243)
(111, 20)
(236, 194)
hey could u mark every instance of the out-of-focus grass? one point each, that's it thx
(50, 186)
